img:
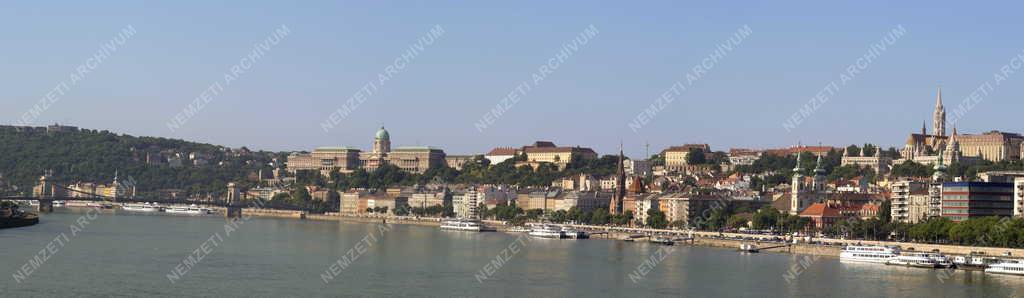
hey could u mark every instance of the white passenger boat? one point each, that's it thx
(146, 207)
(918, 260)
(868, 253)
(59, 203)
(518, 229)
(546, 231)
(468, 225)
(942, 261)
(1012, 267)
(573, 233)
(191, 210)
(747, 247)
(974, 262)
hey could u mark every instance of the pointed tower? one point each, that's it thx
(615, 207)
(796, 188)
(940, 170)
(939, 117)
(954, 146)
(819, 177)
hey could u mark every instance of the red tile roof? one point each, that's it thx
(821, 210)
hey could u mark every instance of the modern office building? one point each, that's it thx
(965, 200)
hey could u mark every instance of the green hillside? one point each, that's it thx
(94, 156)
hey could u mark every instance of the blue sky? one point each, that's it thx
(487, 49)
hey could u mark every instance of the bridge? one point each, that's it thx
(48, 190)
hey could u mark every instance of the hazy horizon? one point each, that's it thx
(454, 91)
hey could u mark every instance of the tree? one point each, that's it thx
(600, 217)
(853, 150)
(736, 221)
(766, 218)
(301, 195)
(623, 219)
(695, 156)
(885, 212)
(656, 219)
(911, 169)
(869, 150)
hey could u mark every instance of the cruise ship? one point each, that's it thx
(868, 253)
(546, 231)
(468, 225)
(1012, 267)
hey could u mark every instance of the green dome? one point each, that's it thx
(383, 134)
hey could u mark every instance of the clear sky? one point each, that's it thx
(488, 48)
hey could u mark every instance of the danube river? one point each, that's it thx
(116, 254)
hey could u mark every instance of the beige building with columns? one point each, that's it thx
(345, 159)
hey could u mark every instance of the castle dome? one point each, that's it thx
(382, 134)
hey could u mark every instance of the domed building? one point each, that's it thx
(382, 141)
(346, 159)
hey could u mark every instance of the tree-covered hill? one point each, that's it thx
(152, 163)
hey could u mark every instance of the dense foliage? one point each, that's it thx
(94, 156)
(476, 171)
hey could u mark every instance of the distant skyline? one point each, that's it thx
(487, 64)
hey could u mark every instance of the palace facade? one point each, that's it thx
(347, 159)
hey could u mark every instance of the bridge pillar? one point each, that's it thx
(45, 206)
(234, 202)
(233, 212)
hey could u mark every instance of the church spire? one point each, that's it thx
(620, 186)
(939, 118)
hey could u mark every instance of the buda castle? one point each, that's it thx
(348, 159)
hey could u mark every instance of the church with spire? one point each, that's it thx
(955, 147)
(925, 144)
(804, 194)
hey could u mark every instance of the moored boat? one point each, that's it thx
(145, 207)
(573, 233)
(1011, 267)
(518, 229)
(546, 231)
(868, 253)
(190, 210)
(974, 261)
(467, 225)
(747, 247)
(662, 241)
(917, 260)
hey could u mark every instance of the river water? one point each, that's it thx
(123, 254)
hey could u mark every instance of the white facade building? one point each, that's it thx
(466, 204)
